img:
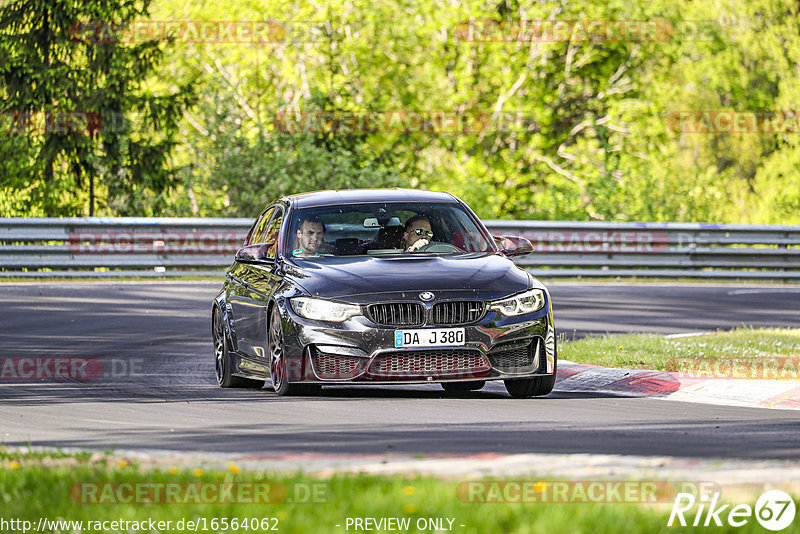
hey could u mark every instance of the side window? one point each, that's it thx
(248, 240)
(273, 232)
(257, 235)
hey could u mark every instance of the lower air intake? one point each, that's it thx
(517, 357)
(436, 364)
(337, 366)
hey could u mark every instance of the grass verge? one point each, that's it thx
(767, 353)
(108, 489)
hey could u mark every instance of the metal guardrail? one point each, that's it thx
(669, 250)
(159, 247)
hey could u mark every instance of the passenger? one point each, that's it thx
(417, 233)
(309, 237)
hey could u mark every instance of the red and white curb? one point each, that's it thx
(782, 394)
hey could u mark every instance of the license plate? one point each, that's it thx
(429, 337)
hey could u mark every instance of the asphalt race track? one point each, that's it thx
(158, 391)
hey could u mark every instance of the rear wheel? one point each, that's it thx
(530, 387)
(223, 362)
(461, 387)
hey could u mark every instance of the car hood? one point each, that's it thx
(486, 276)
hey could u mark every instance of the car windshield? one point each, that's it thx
(384, 229)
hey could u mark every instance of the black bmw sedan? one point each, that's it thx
(381, 286)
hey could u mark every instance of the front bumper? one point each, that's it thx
(358, 350)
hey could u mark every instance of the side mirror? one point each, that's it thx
(514, 245)
(253, 253)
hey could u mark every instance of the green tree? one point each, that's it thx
(253, 170)
(580, 128)
(65, 64)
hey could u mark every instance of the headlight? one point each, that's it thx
(323, 310)
(527, 302)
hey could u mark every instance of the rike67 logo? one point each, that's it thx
(774, 510)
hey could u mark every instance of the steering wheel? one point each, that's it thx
(439, 246)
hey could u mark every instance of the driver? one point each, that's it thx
(309, 237)
(417, 233)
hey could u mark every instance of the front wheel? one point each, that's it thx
(530, 387)
(277, 362)
(223, 362)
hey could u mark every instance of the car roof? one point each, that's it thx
(353, 196)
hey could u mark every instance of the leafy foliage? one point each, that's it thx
(576, 127)
(58, 66)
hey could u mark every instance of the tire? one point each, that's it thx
(277, 362)
(223, 362)
(462, 387)
(530, 387)
(537, 386)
